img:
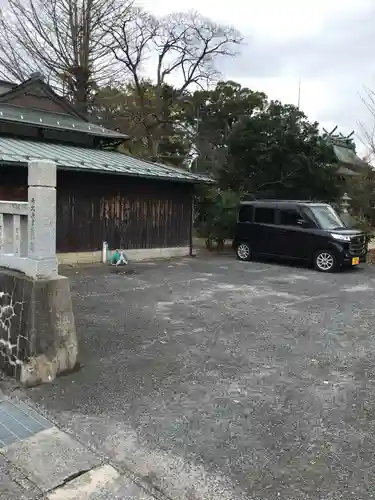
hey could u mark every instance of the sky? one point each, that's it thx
(326, 44)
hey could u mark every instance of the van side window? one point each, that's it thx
(246, 213)
(289, 217)
(264, 215)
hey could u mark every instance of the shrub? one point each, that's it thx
(217, 217)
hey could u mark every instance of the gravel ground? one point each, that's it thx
(216, 379)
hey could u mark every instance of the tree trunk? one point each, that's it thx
(152, 145)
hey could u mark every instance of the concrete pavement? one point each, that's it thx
(40, 461)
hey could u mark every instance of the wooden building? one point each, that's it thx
(102, 194)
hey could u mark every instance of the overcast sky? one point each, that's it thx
(328, 44)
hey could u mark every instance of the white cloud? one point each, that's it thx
(328, 44)
(271, 18)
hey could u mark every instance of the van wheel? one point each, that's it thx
(325, 261)
(243, 251)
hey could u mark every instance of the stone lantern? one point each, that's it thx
(345, 202)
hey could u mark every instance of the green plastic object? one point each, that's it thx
(115, 257)
(118, 258)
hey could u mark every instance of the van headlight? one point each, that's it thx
(340, 237)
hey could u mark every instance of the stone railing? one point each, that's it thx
(28, 229)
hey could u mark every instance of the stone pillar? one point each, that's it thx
(42, 219)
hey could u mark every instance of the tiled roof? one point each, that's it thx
(90, 160)
(348, 156)
(346, 171)
(45, 119)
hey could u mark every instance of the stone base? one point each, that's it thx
(133, 255)
(37, 269)
(38, 338)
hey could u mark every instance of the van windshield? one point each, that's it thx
(326, 217)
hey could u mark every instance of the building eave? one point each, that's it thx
(54, 121)
(67, 157)
(38, 80)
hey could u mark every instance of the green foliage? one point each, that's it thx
(363, 224)
(278, 153)
(210, 116)
(361, 190)
(217, 214)
(136, 112)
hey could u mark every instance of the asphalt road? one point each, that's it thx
(217, 379)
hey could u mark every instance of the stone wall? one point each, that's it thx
(37, 331)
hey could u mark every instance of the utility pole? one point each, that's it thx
(198, 108)
(299, 94)
(196, 114)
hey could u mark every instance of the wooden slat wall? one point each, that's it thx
(13, 183)
(124, 211)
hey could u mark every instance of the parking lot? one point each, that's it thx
(216, 379)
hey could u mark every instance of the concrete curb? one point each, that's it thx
(54, 465)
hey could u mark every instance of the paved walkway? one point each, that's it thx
(39, 461)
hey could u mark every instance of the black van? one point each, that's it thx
(302, 230)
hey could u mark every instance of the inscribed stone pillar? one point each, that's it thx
(42, 218)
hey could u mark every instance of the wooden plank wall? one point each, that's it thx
(126, 212)
(13, 183)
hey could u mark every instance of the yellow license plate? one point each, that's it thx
(355, 261)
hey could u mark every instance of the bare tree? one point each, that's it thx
(184, 47)
(64, 39)
(367, 134)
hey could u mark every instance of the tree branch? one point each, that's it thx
(61, 38)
